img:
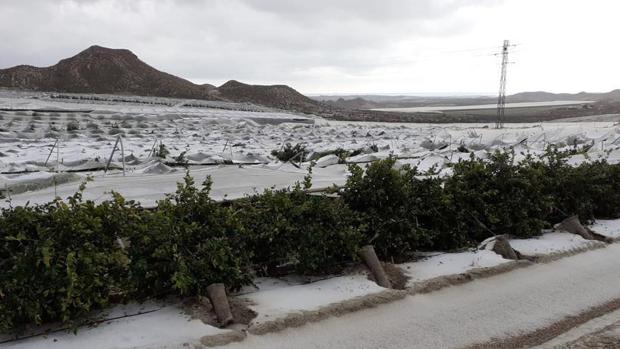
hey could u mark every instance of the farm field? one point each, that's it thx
(234, 146)
(282, 174)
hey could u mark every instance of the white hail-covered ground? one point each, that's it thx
(505, 305)
(214, 134)
(217, 134)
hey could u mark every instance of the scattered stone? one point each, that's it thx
(502, 247)
(573, 225)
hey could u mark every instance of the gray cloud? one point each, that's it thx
(214, 40)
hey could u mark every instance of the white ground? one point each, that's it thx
(277, 302)
(229, 182)
(609, 228)
(277, 297)
(553, 242)
(504, 305)
(212, 135)
(484, 106)
(438, 264)
(166, 327)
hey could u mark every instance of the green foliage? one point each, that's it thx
(58, 263)
(341, 153)
(182, 159)
(190, 242)
(63, 260)
(296, 231)
(289, 152)
(73, 125)
(589, 190)
(384, 197)
(162, 151)
(497, 196)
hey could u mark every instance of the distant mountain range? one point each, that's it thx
(394, 101)
(541, 96)
(118, 71)
(101, 70)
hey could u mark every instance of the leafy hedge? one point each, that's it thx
(186, 244)
(58, 262)
(391, 204)
(63, 260)
(498, 196)
(590, 190)
(300, 232)
(405, 211)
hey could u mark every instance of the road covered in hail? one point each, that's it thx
(522, 308)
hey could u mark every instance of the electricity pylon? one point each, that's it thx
(501, 99)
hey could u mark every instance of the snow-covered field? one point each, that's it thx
(208, 134)
(608, 228)
(484, 106)
(552, 243)
(234, 148)
(278, 302)
(440, 264)
(147, 326)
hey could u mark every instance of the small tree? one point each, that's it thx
(291, 152)
(181, 159)
(163, 151)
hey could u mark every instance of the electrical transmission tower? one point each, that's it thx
(501, 99)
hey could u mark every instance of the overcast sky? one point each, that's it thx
(335, 46)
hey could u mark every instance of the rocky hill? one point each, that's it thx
(118, 71)
(102, 70)
(275, 96)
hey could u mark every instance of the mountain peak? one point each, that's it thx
(96, 50)
(232, 83)
(104, 70)
(99, 69)
(275, 96)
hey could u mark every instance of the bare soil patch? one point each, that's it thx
(397, 277)
(203, 310)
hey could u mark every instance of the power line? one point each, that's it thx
(432, 55)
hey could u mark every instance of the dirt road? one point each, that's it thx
(523, 308)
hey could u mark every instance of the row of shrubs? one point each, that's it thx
(404, 211)
(63, 260)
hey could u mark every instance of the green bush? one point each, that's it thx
(589, 190)
(341, 153)
(182, 159)
(187, 243)
(63, 260)
(385, 198)
(497, 196)
(604, 189)
(57, 263)
(162, 151)
(296, 231)
(73, 125)
(296, 152)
